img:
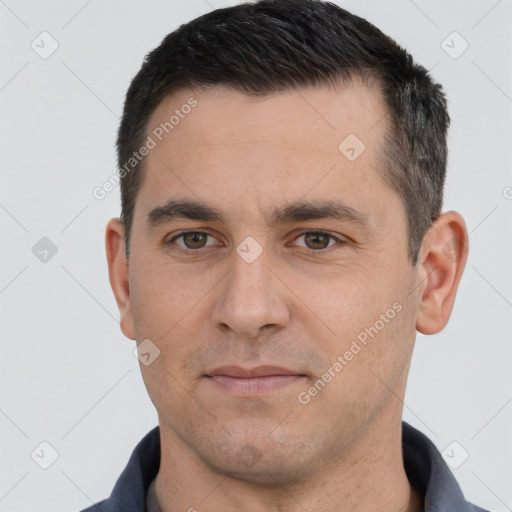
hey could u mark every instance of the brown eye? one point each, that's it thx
(317, 240)
(194, 240)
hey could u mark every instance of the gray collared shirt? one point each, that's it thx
(426, 470)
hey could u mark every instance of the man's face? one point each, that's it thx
(257, 289)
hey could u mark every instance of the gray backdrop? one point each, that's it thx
(68, 375)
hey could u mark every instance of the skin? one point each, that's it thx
(208, 307)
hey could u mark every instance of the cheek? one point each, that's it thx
(379, 351)
(371, 373)
(343, 299)
(365, 315)
(162, 296)
(172, 309)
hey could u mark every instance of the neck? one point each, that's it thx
(368, 475)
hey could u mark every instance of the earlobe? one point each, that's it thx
(119, 274)
(442, 260)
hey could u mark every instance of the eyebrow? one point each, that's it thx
(294, 212)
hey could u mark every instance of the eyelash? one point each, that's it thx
(339, 241)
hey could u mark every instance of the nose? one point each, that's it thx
(251, 299)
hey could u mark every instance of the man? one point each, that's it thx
(281, 241)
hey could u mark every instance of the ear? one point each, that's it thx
(118, 273)
(441, 262)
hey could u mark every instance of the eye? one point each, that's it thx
(319, 240)
(315, 241)
(192, 240)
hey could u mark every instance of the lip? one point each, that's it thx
(258, 371)
(262, 380)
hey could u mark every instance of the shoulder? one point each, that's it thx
(101, 506)
(474, 508)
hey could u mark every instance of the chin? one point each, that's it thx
(263, 461)
(266, 474)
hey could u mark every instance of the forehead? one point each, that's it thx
(230, 147)
(320, 116)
